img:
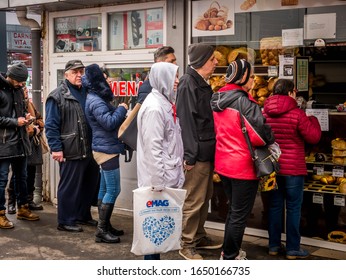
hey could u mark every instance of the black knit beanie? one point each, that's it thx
(199, 54)
(236, 71)
(18, 72)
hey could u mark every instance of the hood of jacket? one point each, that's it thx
(162, 77)
(226, 96)
(277, 105)
(94, 81)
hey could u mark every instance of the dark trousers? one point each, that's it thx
(152, 257)
(30, 181)
(77, 189)
(18, 165)
(241, 196)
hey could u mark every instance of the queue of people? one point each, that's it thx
(181, 120)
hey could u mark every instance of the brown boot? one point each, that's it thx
(4, 222)
(24, 213)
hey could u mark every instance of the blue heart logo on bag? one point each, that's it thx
(158, 230)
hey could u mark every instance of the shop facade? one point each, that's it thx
(300, 40)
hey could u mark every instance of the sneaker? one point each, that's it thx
(276, 250)
(207, 243)
(301, 254)
(190, 254)
(24, 213)
(4, 222)
(241, 256)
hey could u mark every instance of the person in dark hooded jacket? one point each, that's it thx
(14, 144)
(233, 161)
(292, 129)
(104, 120)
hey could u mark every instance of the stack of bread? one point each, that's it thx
(271, 48)
(262, 88)
(339, 151)
(225, 55)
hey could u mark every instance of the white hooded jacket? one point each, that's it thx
(159, 143)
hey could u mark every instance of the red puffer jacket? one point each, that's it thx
(232, 156)
(292, 128)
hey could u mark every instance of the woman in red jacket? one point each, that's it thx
(292, 129)
(233, 160)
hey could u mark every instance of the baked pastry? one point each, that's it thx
(339, 153)
(327, 180)
(339, 144)
(339, 160)
(222, 60)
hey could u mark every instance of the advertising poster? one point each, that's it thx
(136, 29)
(154, 28)
(212, 18)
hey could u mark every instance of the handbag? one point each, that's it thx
(36, 152)
(265, 162)
(157, 220)
(44, 144)
(128, 131)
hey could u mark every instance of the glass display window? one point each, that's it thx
(136, 29)
(77, 33)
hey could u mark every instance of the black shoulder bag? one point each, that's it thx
(265, 163)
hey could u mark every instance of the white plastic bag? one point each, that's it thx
(157, 220)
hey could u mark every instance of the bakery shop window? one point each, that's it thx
(78, 33)
(136, 29)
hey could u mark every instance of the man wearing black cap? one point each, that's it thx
(14, 144)
(69, 139)
(196, 120)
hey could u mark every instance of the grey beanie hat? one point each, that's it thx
(18, 72)
(236, 70)
(199, 54)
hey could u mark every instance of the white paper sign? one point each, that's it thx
(292, 37)
(317, 198)
(286, 67)
(338, 171)
(339, 200)
(321, 115)
(320, 26)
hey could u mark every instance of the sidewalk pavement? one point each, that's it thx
(40, 240)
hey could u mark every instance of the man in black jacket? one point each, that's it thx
(69, 139)
(197, 124)
(14, 144)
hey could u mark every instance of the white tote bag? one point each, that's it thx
(157, 220)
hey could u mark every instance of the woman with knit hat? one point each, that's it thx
(233, 160)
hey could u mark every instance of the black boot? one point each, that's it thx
(110, 228)
(102, 233)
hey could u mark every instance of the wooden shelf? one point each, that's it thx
(315, 186)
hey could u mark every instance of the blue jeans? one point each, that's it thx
(290, 190)
(109, 186)
(18, 165)
(241, 196)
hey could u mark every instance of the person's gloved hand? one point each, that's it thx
(157, 188)
(275, 150)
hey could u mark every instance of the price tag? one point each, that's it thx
(273, 71)
(317, 198)
(338, 171)
(339, 200)
(318, 169)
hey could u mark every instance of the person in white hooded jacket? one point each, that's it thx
(159, 143)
